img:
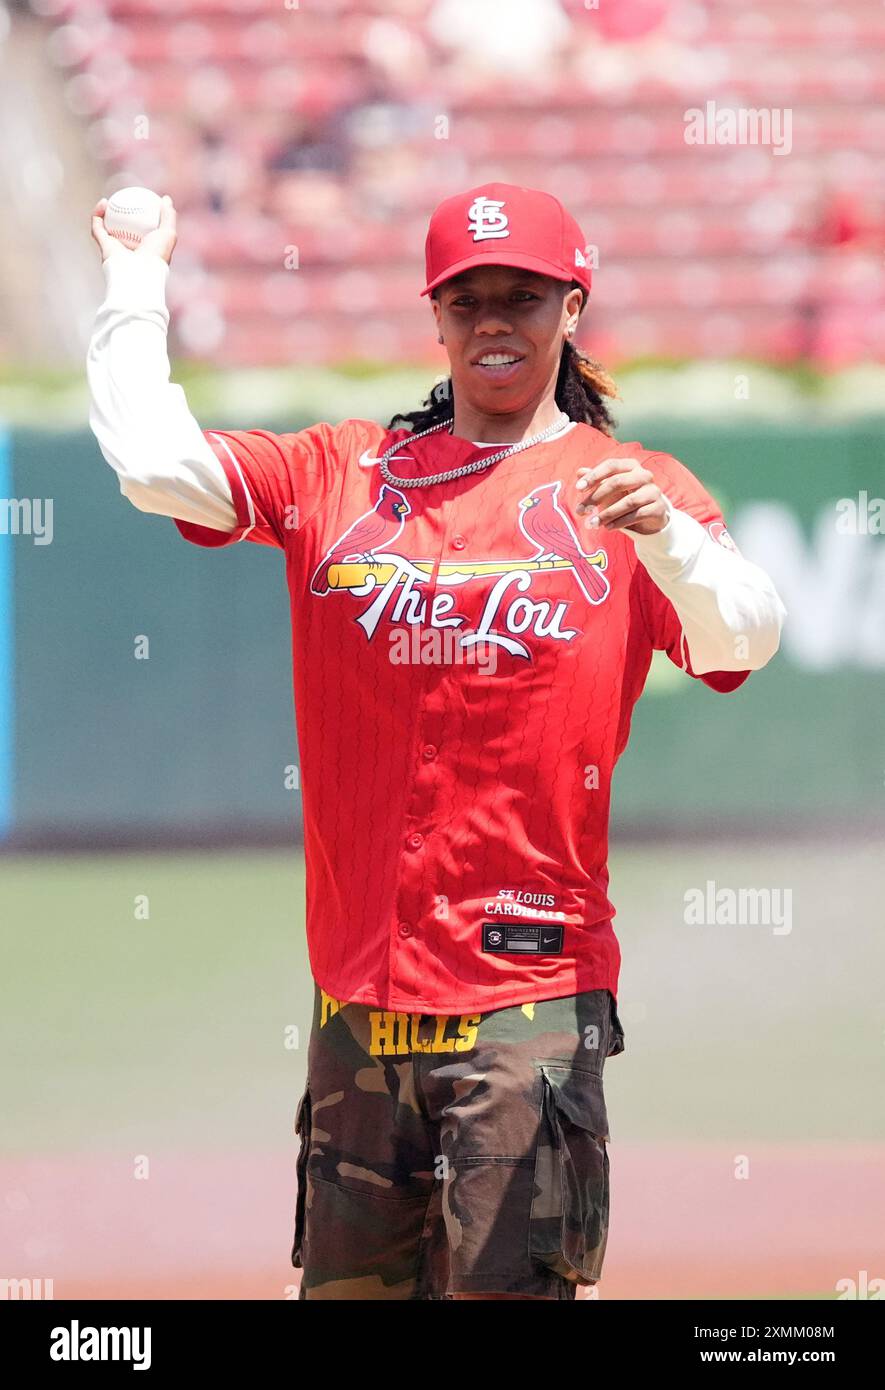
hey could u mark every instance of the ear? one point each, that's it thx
(572, 306)
(437, 314)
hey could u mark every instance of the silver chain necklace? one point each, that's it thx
(476, 467)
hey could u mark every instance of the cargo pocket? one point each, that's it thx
(617, 1042)
(302, 1129)
(568, 1227)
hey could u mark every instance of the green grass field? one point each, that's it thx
(180, 1019)
(163, 1037)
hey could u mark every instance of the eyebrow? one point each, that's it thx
(530, 277)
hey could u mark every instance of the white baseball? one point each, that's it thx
(131, 214)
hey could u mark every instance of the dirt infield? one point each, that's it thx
(218, 1226)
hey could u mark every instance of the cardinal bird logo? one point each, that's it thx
(375, 530)
(544, 523)
(718, 531)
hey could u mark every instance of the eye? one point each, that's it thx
(468, 301)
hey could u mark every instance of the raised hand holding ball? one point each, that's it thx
(131, 214)
(135, 220)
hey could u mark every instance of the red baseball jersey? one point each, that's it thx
(466, 660)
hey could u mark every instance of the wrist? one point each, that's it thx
(677, 543)
(653, 527)
(135, 280)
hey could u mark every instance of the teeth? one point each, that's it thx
(497, 359)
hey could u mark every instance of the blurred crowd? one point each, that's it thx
(336, 126)
(351, 129)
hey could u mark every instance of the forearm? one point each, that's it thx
(730, 611)
(140, 419)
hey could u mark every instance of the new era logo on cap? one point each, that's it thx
(505, 224)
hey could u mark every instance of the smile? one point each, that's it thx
(498, 364)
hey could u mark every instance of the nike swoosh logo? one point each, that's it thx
(549, 940)
(366, 461)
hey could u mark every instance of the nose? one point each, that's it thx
(492, 321)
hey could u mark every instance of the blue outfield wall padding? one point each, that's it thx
(7, 674)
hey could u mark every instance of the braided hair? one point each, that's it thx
(581, 387)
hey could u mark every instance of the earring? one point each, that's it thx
(439, 338)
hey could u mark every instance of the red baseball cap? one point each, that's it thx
(504, 224)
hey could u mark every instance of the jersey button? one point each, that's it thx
(458, 542)
(415, 841)
(429, 752)
(404, 929)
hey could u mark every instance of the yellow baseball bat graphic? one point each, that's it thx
(354, 576)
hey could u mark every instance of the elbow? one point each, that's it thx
(765, 646)
(139, 492)
(135, 484)
(741, 640)
(763, 643)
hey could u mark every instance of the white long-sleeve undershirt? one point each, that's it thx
(139, 417)
(730, 612)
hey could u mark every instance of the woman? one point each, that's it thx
(476, 596)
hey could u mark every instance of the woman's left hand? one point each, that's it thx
(619, 494)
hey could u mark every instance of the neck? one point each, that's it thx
(511, 428)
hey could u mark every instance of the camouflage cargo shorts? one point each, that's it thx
(445, 1154)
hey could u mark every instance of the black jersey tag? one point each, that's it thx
(509, 939)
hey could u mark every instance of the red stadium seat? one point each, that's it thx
(280, 128)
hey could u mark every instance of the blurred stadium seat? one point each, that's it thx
(325, 134)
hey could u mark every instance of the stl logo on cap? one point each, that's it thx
(524, 227)
(486, 218)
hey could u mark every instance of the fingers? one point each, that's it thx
(608, 479)
(643, 504)
(106, 243)
(610, 489)
(161, 241)
(592, 511)
(607, 469)
(606, 488)
(645, 520)
(168, 216)
(619, 493)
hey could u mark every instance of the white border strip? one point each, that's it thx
(248, 495)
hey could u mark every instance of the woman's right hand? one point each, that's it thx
(160, 242)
